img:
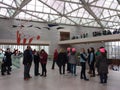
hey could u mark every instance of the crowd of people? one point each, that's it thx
(62, 58)
(94, 59)
(37, 56)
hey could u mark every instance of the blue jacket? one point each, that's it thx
(83, 57)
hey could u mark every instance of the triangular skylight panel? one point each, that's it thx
(68, 22)
(90, 1)
(74, 0)
(53, 17)
(57, 6)
(91, 23)
(110, 24)
(14, 4)
(3, 5)
(26, 16)
(3, 11)
(96, 24)
(104, 23)
(37, 6)
(100, 2)
(9, 3)
(70, 7)
(64, 20)
(97, 11)
(77, 20)
(10, 11)
(61, 6)
(112, 12)
(23, 15)
(106, 13)
(114, 4)
(107, 4)
(82, 13)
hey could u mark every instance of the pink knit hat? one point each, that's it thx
(68, 49)
(102, 50)
(73, 50)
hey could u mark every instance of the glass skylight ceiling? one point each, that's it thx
(94, 13)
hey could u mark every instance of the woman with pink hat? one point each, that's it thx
(73, 61)
(102, 63)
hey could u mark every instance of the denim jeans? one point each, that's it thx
(103, 78)
(73, 69)
(27, 71)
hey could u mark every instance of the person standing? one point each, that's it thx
(43, 61)
(92, 61)
(102, 63)
(96, 55)
(83, 59)
(27, 61)
(36, 63)
(62, 60)
(88, 58)
(73, 61)
(3, 66)
(68, 64)
(8, 54)
(55, 57)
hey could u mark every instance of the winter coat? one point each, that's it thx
(36, 58)
(102, 64)
(62, 58)
(72, 59)
(43, 58)
(27, 57)
(55, 56)
(8, 58)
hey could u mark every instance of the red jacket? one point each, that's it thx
(43, 58)
(55, 55)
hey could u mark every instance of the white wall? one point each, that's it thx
(53, 35)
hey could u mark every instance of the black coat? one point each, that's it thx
(102, 64)
(27, 57)
(8, 58)
(62, 58)
(36, 58)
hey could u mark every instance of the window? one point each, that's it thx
(113, 49)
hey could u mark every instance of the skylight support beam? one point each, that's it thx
(25, 2)
(88, 9)
(35, 16)
(70, 2)
(93, 1)
(10, 7)
(73, 10)
(58, 12)
(118, 2)
(16, 3)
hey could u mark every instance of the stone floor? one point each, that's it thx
(54, 81)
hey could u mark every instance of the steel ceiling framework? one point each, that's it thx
(94, 13)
